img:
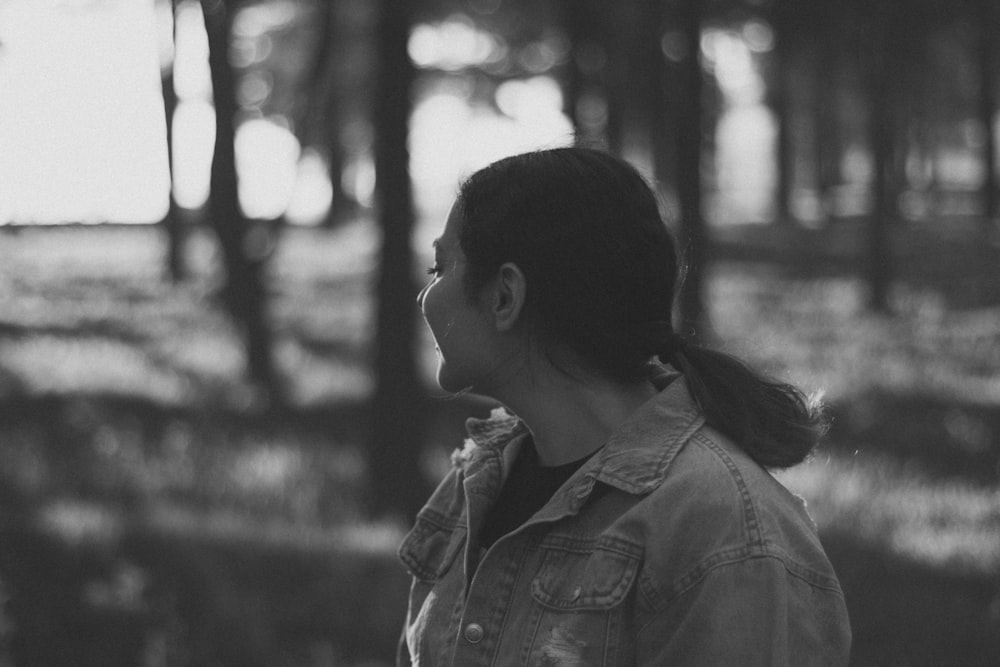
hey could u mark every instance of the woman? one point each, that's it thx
(621, 513)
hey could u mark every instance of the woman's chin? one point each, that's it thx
(447, 382)
(453, 384)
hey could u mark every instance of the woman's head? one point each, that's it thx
(579, 263)
(599, 264)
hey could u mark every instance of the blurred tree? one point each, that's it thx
(615, 43)
(654, 81)
(951, 87)
(786, 20)
(806, 41)
(881, 88)
(988, 16)
(826, 91)
(328, 83)
(597, 73)
(580, 89)
(907, 59)
(245, 246)
(688, 128)
(398, 411)
(574, 15)
(173, 224)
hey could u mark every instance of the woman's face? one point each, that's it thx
(460, 326)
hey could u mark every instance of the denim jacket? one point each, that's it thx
(670, 546)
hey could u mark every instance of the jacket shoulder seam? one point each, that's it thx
(658, 601)
(751, 519)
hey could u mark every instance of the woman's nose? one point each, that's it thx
(421, 294)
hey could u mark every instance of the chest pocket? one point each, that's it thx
(580, 618)
(429, 550)
(580, 579)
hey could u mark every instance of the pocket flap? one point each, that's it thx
(429, 550)
(598, 578)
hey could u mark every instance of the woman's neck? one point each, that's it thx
(570, 418)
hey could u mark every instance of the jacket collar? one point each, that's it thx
(634, 459)
(638, 454)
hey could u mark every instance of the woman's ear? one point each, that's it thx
(511, 289)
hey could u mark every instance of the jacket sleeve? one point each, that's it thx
(748, 612)
(402, 650)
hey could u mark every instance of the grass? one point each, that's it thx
(185, 525)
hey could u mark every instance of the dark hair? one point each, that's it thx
(602, 273)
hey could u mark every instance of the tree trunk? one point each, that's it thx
(397, 488)
(987, 111)
(573, 17)
(694, 238)
(826, 133)
(343, 206)
(880, 89)
(654, 84)
(781, 107)
(323, 118)
(173, 224)
(616, 72)
(245, 248)
(592, 71)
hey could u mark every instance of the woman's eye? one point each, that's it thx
(434, 270)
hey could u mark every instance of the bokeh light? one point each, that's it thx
(453, 45)
(81, 122)
(267, 159)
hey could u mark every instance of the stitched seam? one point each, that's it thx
(607, 638)
(720, 560)
(749, 511)
(489, 489)
(617, 594)
(517, 568)
(585, 546)
(647, 591)
(437, 519)
(450, 645)
(646, 483)
(419, 536)
(686, 582)
(689, 431)
(655, 598)
(810, 576)
(537, 612)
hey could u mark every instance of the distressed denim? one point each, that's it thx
(670, 546)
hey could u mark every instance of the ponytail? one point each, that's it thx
(774, 422)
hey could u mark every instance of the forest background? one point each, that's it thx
(217, 406)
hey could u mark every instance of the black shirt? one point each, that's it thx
(526, 490)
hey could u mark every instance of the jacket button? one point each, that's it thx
(474, 633)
